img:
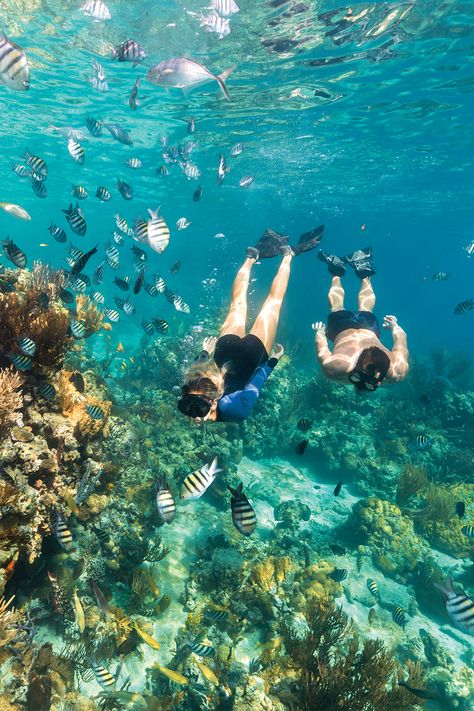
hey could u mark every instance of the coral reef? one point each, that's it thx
(11, 399)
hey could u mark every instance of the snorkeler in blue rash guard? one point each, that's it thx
(225, 380)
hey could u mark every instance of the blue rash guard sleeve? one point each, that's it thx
(237, 406)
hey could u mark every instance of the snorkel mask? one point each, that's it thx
(193, 405)
(364, 381)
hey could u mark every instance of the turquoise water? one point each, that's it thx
(364, 126)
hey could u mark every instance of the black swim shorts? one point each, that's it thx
(241, 356)
(339, 321)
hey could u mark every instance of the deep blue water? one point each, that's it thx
(385, 143)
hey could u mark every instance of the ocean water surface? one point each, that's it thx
(358, 118)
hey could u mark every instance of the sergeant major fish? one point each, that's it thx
(243, 515)
(183, 73)
(459, 606)
(196, 483)
(14, 67)
(164, 500)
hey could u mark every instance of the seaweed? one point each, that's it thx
(334, 670)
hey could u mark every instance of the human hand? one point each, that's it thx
(319, 327)
(209, 344)
(277, 351)
(390, 322)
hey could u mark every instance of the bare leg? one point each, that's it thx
(336, 294)
(236, 318)
(366, 296)
(266, 323)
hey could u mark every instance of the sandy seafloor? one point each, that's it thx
(195, 520)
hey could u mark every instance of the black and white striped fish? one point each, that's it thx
(237, 149)
(79, 192)
(224, 8)
(39, 188)
(217, 615)
(459, 606)
(98, 297)
(338, 574)
(103, 194)
(61, 531)
(79, 285)
(202, 650)
(76, 151)
(117, 237)
(197, 194)
(96, 9)
(112, 315)
(47, 390)
(468, 530)
(119, 303)
(183, 223)
(21, 170)
(112, 253)
(215, 23)
(98, 275)
(159, 283)
(27, 346)
(181, 305)
(160, 324)
(119, 133)
(469, 248)
(128, 308)
(222, 170)
(14, 67)
(134, 163)
(190, 170)
(196, 483)
(95, 412)
(372, 587)
(130, 51)
(66, 296)
(441, 276)
(399, 616)
(94, 127)
(158, 234)
(37, 164)
(77, 329)
(123, 225)
(58, 233)
(164, 501)
(76, 220)
(103, 677)
(148, 327)
(21, 362)
(14, 253)
(246, 181)
(99, 80)
(243, 515)
(151, 290)
(463, 307)
(123, 283)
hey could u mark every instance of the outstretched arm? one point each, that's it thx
(399, 367)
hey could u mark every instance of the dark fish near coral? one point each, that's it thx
(122, 283)
(130, 51)
(202, 650)
(301, 446)
(243, 515)
(460, 508)
(338, 574)
(373, 587)
(174, 268)
(197, 194)
(163, 603)
(43, 300)
(47, 390)
(66, 296)
(337, 549)
(425, 400)
(133, 98)
(422, 441)
(372, 615)
(217, 615)
(304, 425)
(420, 693)
(21, 362)
(338, 488)
(27, 346)
(137, 287)
(468, 531)
(196, 483)
(148, 327)
(184, 73)
(125, 190)
(14, 67)
(81, 262)
(463, 307)
(58, 595)
(164, 501)
(103, 677)
(95, 412)
(160, 324)
(399, 617)
(76, 220)
(77, 329)
(14, 253)
(62, 532)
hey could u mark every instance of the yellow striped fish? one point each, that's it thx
(171, 674)
(195, 484)
(79, 613)
(103, 677)
(148, 639)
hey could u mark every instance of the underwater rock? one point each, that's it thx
(290, 513)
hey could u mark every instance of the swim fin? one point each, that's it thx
(361, 262)
(335, 264)
(271, 243)
(309, 240)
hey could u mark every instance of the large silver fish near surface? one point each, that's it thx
(182, 73)
(14, 67)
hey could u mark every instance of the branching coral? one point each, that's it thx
(21, 314)
(9, 620)
(413, 480)
(88, 314)
(333, 675)
(10, 399)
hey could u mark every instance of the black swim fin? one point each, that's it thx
(361, 262)
(270, 244)
(309, 240)
(335, 264)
